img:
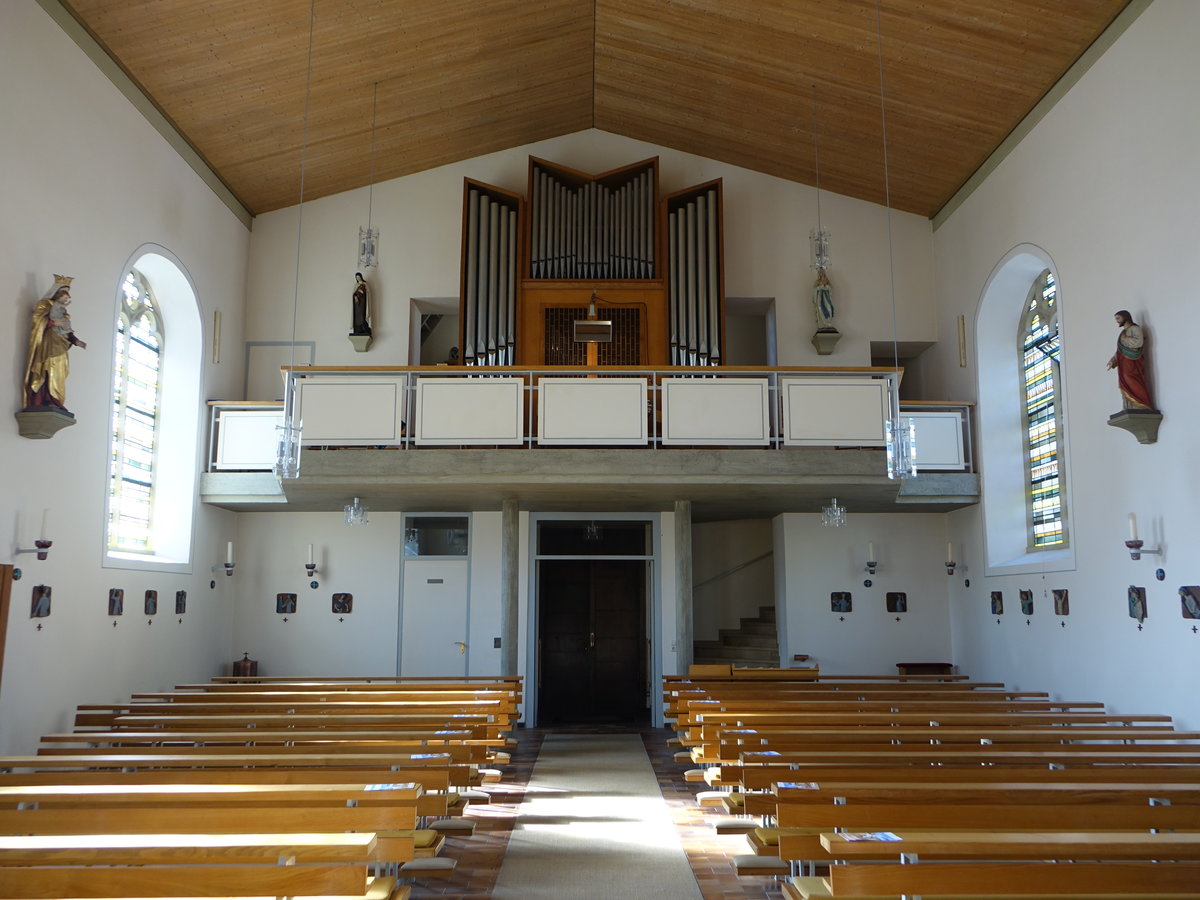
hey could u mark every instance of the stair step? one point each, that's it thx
(732, 638)
(726, 653)
(754, 626)
(766, 613)
(739, 663)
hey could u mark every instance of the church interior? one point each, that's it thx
(557, 351)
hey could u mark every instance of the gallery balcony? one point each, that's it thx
(737, 443)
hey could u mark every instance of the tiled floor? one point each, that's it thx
(480, 855)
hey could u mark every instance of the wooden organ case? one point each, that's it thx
(583, 247)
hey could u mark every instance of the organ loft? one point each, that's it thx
(592, 270)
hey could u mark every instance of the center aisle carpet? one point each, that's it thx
(594, 824)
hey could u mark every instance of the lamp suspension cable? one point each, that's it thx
(287, 462)
(901, 452)
(820, 237)
(368, 238)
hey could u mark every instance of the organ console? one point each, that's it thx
(600, 247)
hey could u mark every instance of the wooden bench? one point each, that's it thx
(1003, 881)
(914, 846)
(92, 715)
(799, 826)
(193, 865)
(495, 729)
(398, 753)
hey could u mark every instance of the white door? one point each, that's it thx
(433, 639)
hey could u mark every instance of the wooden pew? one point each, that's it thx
(125, 808)
(330, 720)
(799, 824)
(1048, 879)
(437, 800)
(947, 754)
(397, 752)
(430, 770)
(106, 715)
(1116, 816)
(428, 737)
(967, 791)
(192, 865)
(454, 700)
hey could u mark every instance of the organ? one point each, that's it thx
(602, 247)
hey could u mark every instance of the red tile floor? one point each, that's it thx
(480, 855)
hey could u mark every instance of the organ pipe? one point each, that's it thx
(583, 228)
(694, 270)
(591, 229)
(490, 258)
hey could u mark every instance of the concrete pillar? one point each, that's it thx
(683, 583)
(510, 541)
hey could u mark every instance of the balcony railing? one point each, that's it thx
(414, 408)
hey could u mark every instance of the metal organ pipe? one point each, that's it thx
(510, 318)
(592, 230)
(672, 290)
(481, 308)
(701, 281)
(714, 284)
(493, 293)
(502, 266)
(471, 300)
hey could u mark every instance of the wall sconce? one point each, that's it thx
(229, 563)
(42, 545)
(1135, 546)
(311, 566)
(872, 564)
(950, 563)
(356, 513)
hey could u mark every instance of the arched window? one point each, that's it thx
(1039, 349)
(1023, 434)
(137, 391)
(157, 414)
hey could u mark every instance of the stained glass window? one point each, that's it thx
(1040, 348)
(137, 391)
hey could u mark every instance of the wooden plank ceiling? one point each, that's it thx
(755, 84)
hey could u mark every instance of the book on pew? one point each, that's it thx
(799, 785)
(883, 836)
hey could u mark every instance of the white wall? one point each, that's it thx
(1107, 186)
(812, 561)
(767, 221)
(86, 182)
(361, 560)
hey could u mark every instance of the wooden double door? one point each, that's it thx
(593, 651)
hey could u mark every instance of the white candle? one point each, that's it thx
(229, 553)
(949, 551)
(870, 551)
(310, 555)
(1133, 526)
(45, 525)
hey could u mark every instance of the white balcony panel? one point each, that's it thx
(600, 411)
(247, 439)
(350, 411)
(455, 411)
(939, 440)
(725, 412)
(831, 412)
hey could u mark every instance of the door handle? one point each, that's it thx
(591, 640)
(462, 646)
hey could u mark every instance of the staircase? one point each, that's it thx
(754, 643)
